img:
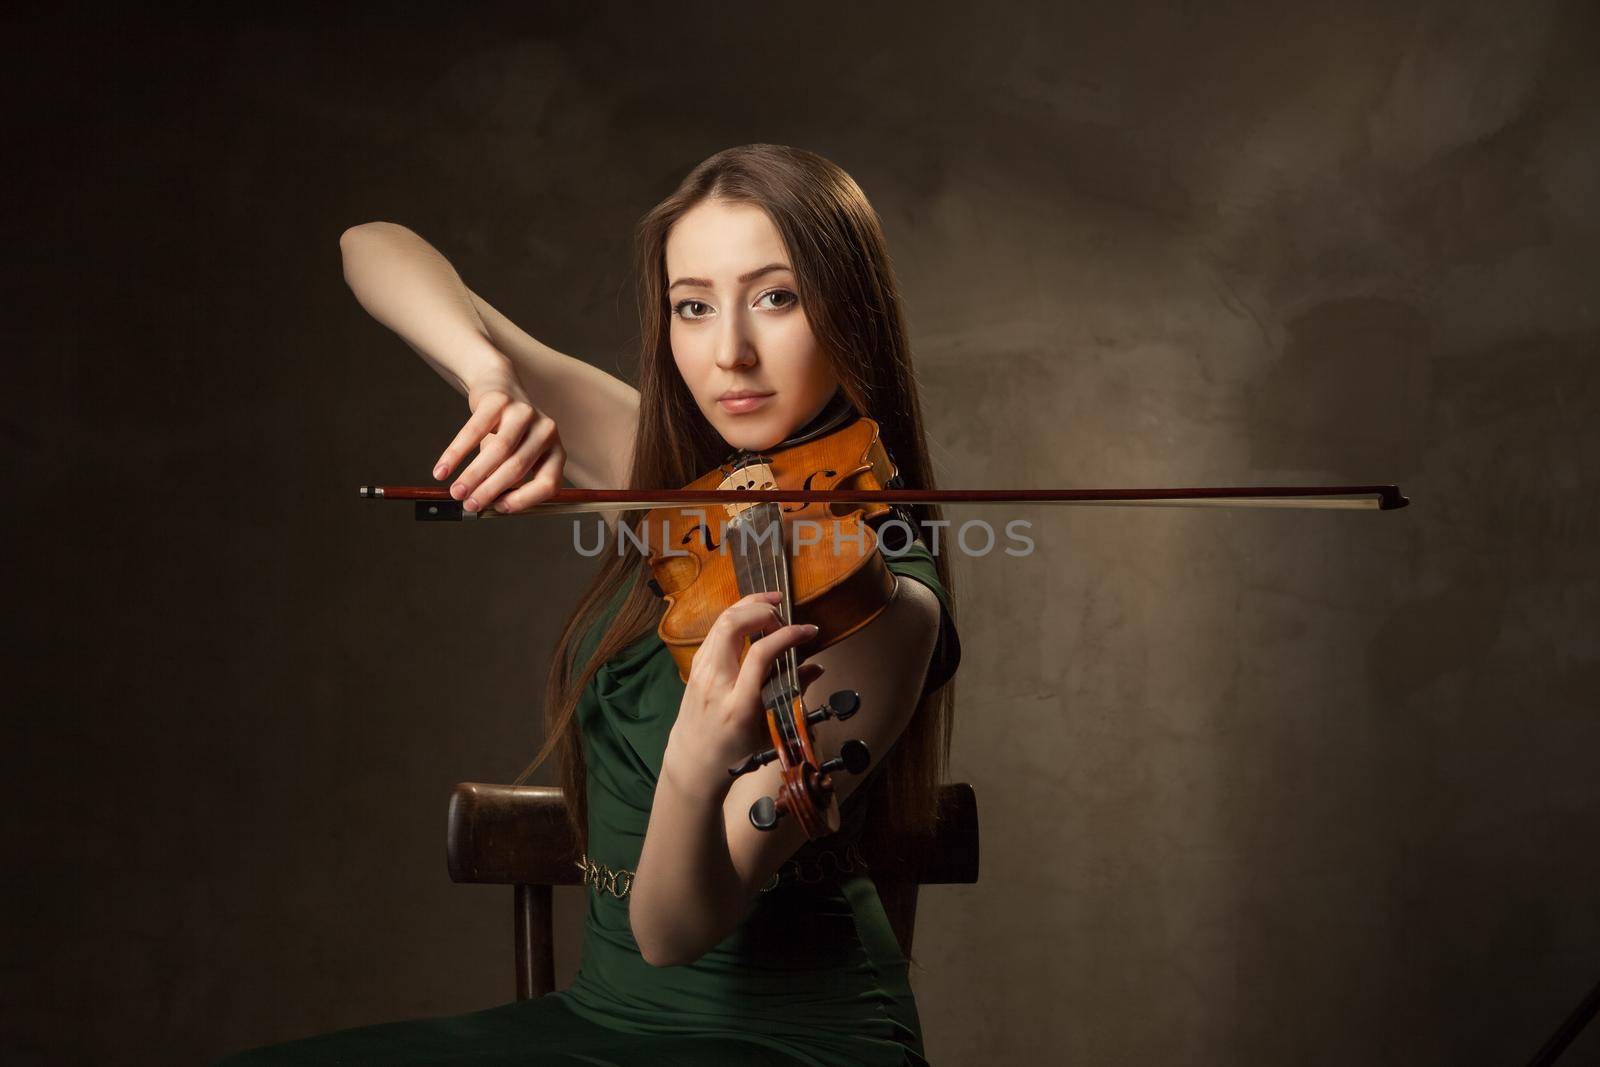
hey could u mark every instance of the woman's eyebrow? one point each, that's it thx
(743, 278)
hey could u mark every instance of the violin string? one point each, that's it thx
(772, 570)
(756, 579)
(781, 568)
(786, 668)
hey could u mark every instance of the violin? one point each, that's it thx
(836, 579)
(808, 518)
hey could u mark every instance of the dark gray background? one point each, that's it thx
(1256, 787)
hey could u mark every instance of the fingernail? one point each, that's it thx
(438, 472)
(470, 505)
(811, 628)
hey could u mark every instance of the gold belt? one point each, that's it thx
(617, 881)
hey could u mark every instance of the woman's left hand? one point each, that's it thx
(721, 720)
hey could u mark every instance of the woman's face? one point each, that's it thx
(738, 327)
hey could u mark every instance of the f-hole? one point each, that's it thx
(807, 487)
(706, 537)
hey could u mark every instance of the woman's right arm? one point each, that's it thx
(404, 283)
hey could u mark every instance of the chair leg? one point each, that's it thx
(535, 940)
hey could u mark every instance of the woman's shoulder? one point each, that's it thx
(914, 560)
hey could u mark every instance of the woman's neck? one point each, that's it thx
(836, 412)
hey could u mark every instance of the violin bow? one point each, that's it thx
(434, 504)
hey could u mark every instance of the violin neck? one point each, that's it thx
(760, 561)
(755, 542)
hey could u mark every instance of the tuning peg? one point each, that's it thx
(764, 814)
(853, 757)
(760, 759)
(844, 703)
(840, 705)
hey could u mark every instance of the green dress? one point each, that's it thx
(812, 975)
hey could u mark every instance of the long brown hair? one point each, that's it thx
(852, 303)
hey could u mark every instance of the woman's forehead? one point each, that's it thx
(718, 242)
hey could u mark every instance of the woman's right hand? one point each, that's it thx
(514, 440)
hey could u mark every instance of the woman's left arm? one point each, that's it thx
(703, 863)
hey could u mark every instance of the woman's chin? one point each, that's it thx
(750, 442)
(753, 432)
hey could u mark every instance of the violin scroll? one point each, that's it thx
(854, 757)
(840, 706)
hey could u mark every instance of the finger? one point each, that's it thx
(750, 615)
(468, 479)
(809, 673)
(749, 607)
(546, 480)
(762, 655)
(490, 455)
(473, 431)
(495, 451)
(513, 467)
(757, 613)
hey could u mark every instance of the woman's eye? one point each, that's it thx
(681, 307)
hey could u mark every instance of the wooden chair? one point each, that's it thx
(517, 835)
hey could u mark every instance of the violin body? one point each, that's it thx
(839, 584)
(825, 560)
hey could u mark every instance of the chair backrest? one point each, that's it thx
(517, 835)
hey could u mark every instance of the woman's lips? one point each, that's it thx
(738, 405)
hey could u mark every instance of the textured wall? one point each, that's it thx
(1256, 787)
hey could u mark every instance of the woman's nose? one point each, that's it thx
(735, 347)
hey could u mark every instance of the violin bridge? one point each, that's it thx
(756, 476)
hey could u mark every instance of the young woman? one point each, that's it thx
(768, 309)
